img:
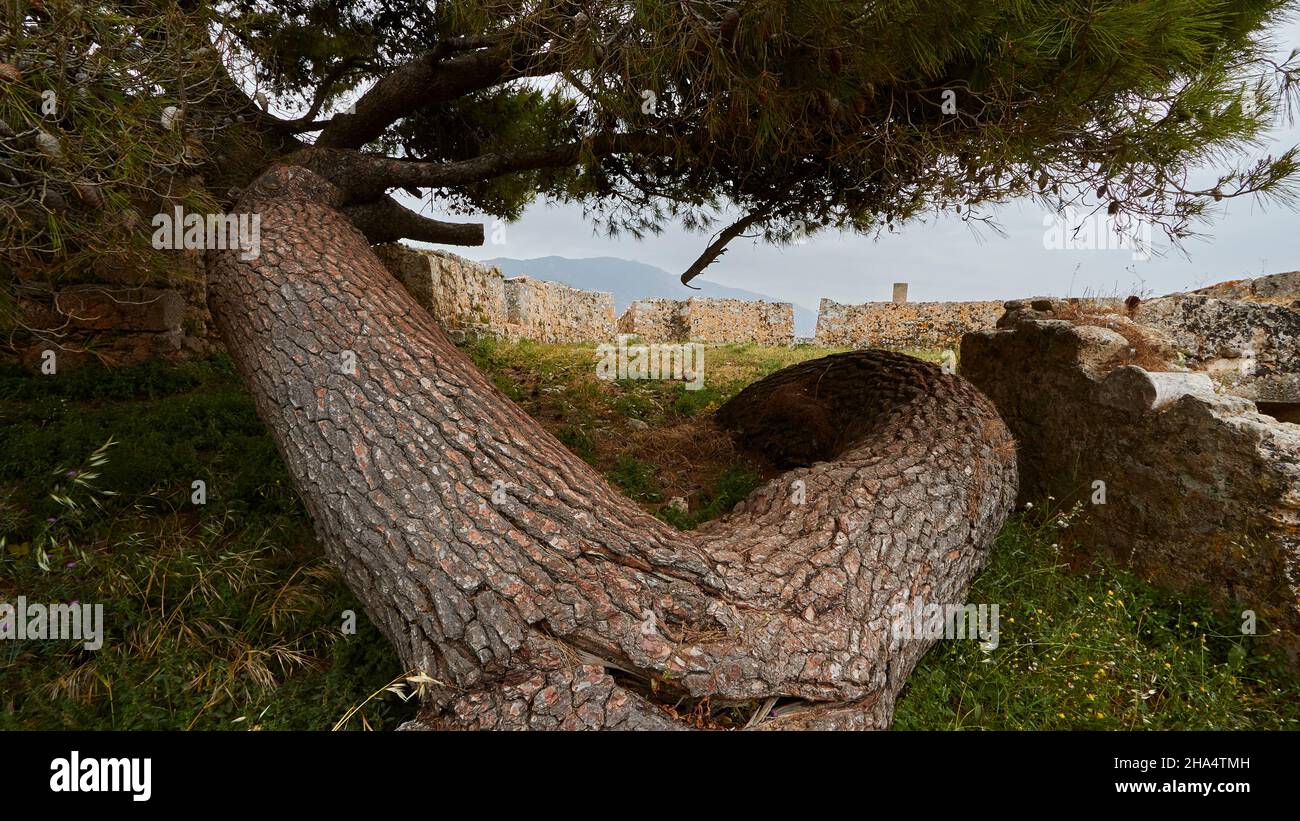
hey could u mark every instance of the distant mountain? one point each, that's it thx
(629, 281)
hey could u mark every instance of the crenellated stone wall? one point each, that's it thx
(902, 324)
(710, 320)
(460, 293)
(1230, 330)
(468, 297)
(550, 312)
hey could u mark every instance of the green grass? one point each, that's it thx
(227, 615)
(224, 615)
(1095, 649)
(636, 479)
(732, 486)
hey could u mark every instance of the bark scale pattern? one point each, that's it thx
(507, 570)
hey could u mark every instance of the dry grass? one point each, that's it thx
(1146, 348)
(689, 456)
(654, 439)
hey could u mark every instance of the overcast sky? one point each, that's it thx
(942, 259)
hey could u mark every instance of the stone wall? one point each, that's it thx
(468, 297)
(114, 325)
(109, 316)
(550, 312)
(902, 325)
(1277, 289)
(710, 320)
(655, 320)
(116, 309)
(460, 293)
(738, 320)
(1201, 490)
(1224, 329)
(1251, 348)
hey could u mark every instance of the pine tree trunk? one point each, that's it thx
(554, 602)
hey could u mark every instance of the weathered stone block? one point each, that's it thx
(711, 320)
(552, 312)
(1201, 492)
(1279, 289)
(902, 325)
(460, 293)
(1251, 348)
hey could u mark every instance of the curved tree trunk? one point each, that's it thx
(550, 606)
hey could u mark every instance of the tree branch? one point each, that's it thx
(428, 80)
(386, 220)
(308, 122)
(719, 246)
(366, 176)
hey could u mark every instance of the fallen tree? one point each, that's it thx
(508, 575)
(525, 607)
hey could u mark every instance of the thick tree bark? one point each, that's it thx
(553, 601)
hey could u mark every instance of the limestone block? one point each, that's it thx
(1202, 492)
(902, 325)
(710, 320)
